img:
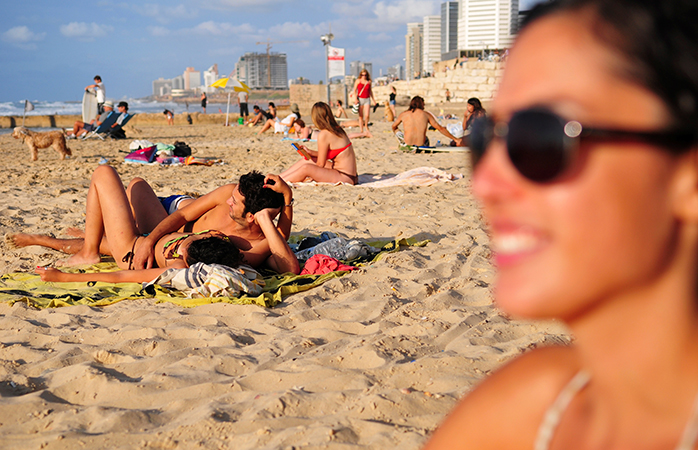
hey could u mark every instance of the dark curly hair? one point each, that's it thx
(658, 39)
(257, 197)
(214, 250)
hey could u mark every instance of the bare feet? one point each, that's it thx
(19, 240)
(79, 259)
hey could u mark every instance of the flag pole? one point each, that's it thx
(227, 109)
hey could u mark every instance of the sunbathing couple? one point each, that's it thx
(134, 227)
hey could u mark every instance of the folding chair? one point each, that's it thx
(103, 127)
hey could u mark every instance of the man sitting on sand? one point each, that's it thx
(80, 127)
(258, 116)
(416, 122)
(244, 212)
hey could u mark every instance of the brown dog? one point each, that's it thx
(35, 141)
(389, 116)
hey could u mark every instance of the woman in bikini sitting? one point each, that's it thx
(587, 173)
(109, 215)
(334, 161)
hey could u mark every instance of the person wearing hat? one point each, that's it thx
(284, 125)
(123, 110)
(80, 127)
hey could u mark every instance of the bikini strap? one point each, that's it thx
(552, 417)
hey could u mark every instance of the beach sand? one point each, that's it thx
(374, 359)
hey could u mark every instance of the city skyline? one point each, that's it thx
(52, 50)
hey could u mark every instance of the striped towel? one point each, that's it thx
(212, 280)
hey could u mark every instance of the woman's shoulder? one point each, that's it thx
(506, 409)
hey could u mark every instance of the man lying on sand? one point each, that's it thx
(244, 212)
(416, 121)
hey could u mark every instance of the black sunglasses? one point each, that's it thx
(542, 144)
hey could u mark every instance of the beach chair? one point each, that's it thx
(103, 127)
(117, 132)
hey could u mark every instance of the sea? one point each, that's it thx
(43, 108)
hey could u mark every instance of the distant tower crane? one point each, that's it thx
(269, 43)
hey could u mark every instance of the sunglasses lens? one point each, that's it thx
(479, 139)
(536, 144)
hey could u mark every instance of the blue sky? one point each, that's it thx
(50, 50)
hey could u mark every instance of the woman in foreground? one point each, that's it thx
(109, 215)
(334, 161)
(590, 191)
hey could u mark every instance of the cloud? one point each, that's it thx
(22, 37)
(223, 29)
(165, 14)
(235, 5)
(380, 37)
(159, 31)
(403, 11)
(85, 31)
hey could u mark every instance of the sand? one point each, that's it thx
(374, 359)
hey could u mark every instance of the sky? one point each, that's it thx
(50, 50)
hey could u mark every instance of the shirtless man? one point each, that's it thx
(416, 122)
(243, 211)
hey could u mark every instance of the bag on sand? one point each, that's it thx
(142, 156)
(181, 149)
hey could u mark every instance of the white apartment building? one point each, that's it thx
(431, 43)
(487, 24)
(413, 50)
(210, 77)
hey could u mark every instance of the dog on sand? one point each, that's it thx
(389, 116)
(35, 141)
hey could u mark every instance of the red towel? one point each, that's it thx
(319, 264)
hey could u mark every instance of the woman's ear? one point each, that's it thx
(686, 187)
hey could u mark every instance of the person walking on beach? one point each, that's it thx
(586, 171)
(416, 122)
(242, 103)
(204, 101)
(244, 212)
(364, 96)
(99, 92)
(392, 100)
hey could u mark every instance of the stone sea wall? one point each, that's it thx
(468, 79)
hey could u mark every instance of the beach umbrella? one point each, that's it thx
(238, 86)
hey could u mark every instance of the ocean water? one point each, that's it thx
(42, 108)
(135, 106)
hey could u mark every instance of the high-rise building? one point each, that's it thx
(162, 87)
(487, 24)
(178, 82)
(355, 67)
(396, 72)
(431, 43)
(449, 30)
(413, 50)
(210, 77)
(262, 70)
(192, 78)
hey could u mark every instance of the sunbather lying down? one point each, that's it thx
(109, 215)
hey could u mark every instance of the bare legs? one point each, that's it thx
(303, 169)
(108, 213)
(364, 116)
(145, 208)
(268, 124)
